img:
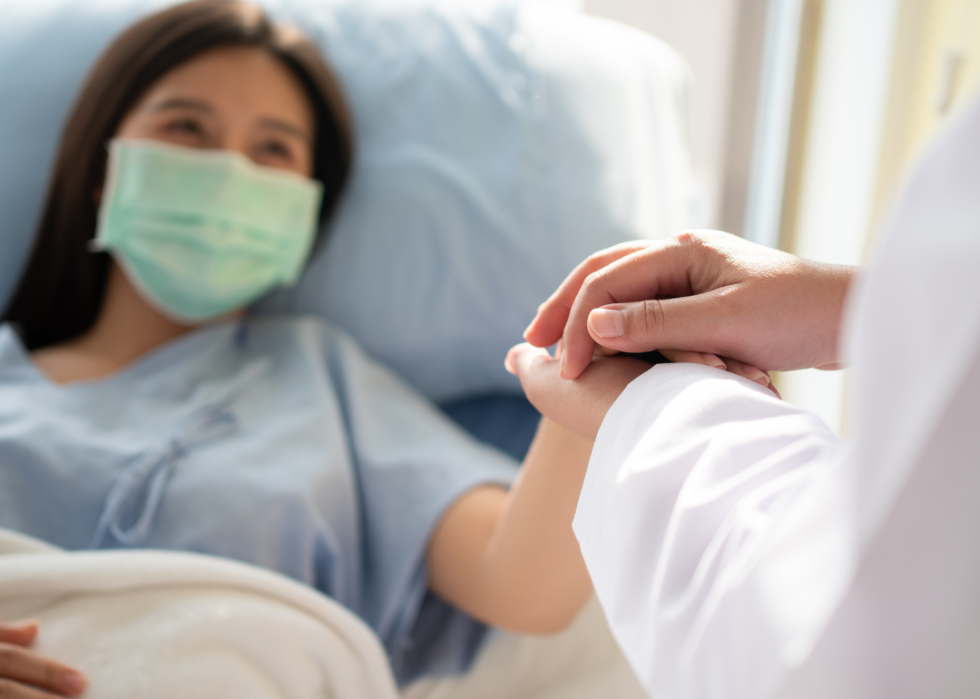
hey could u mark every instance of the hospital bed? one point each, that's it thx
(498, 144)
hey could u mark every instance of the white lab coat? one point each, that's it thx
(741, 550)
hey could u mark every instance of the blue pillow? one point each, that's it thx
(498, 144)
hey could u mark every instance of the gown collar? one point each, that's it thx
(194, 348)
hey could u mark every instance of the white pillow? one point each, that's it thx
(498, 144)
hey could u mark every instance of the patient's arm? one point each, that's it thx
(510, 558)
(23, 674)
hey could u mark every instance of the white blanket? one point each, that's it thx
(159, 624)
(154, 624)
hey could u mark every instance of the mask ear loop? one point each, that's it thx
(94, 245)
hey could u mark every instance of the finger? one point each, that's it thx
(748, 371)
(833, 366)
(695, 358)
(21, 633)
(549, 323)
(599, 351)
(521, 359)
(753, 374)
(22, 665)
(16, 690)
(538, 374)
(661, 269)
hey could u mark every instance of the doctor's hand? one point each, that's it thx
(27, 675)
(707, 291)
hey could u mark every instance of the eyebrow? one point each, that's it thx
(286, 127)
(182, 103)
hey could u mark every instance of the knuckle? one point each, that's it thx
(685, 238)
(597, 257)
(591, 281)
(8, 656)
(695, 239)
(51, 675)
(652, 318)
(595, 262)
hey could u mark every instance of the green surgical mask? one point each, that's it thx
(201, 233)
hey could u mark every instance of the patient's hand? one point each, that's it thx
(27, 675)
(578, 405)
(581, 404)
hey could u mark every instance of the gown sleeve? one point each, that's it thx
(411, 463)
(701, 523)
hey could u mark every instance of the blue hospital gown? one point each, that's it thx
(273, 441)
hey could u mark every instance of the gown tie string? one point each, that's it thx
(138, 490)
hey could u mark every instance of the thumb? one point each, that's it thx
(696, 323)
(629, 327)
(532, 365)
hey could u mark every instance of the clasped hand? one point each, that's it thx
(705, 297)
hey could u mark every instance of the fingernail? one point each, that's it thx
(607, 323)
(558, 350)
(25, 624)
(74, 681)
(509, 364)
(762, 381)
(713, 360)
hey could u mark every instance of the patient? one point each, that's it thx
(143, 405)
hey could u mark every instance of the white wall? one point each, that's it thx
(703, 31)
(570, 4)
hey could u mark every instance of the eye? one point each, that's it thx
(276, 149)
(185, 126)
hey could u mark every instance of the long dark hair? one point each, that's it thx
(61, 290)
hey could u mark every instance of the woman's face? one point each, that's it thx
(231, 98)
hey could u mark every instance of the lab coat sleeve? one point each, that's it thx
(692, 469)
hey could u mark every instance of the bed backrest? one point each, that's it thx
(498, 144)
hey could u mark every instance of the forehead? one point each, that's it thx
(239, 81)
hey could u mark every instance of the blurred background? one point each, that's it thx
(806, 116)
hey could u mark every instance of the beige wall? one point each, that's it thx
(936, 70)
